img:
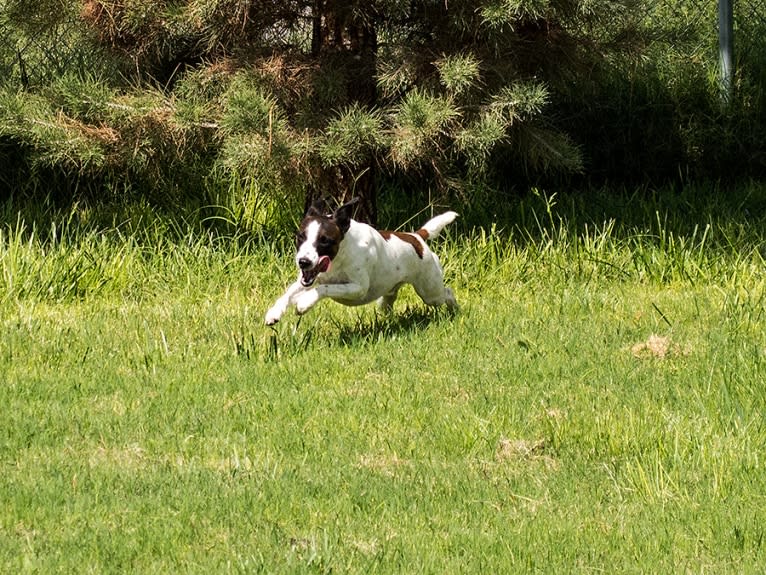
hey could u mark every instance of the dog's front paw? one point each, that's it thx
(306, 301)
(274, 314)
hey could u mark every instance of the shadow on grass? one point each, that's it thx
(278, 344)
(282, 343)
(392, 326)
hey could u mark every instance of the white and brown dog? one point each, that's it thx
(354, 264)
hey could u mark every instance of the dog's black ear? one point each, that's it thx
(342, 215)
(317, 208)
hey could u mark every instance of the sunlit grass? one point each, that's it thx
(597, 404)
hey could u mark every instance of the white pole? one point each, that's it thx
(726, 47)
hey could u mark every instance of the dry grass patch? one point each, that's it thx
(659, 347)
(385, 464)
(130, 457)
(524, 450)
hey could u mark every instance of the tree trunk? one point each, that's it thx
(316, 29)
(339, 35)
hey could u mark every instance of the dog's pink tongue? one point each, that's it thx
(323, 264)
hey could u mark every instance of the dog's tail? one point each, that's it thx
(435, 225)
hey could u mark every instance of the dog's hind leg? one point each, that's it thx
(450, 300)
(442, 297)
(432, 291)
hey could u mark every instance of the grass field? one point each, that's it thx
(596, 406)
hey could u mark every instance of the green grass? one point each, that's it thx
(151, 424)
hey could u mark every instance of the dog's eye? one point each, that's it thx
(300, 238)
(324, 241)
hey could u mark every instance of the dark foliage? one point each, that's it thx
(259, 107)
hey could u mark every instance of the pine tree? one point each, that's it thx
(314, 97)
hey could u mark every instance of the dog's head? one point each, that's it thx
(319, 237)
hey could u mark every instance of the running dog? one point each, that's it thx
(354, 264)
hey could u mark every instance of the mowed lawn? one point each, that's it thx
(596, 406)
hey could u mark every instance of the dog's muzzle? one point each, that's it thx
(309, 273)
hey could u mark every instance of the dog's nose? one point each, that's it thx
(304, 263)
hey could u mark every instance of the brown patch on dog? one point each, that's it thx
(408, 238)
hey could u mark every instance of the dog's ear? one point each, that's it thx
(342, 215)
(317, 208)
